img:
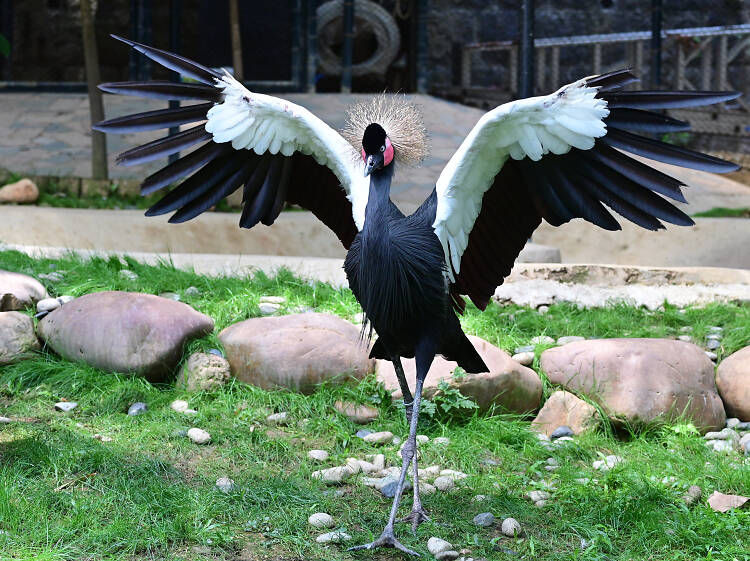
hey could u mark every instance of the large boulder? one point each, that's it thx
(17, 337)
(295, 351)
(638, 381)
(513, 387)
(19, 291)
(124, 332)
(565, 409)
(733, 381)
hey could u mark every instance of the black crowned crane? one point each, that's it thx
(555, 158)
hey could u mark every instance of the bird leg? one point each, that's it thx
(417, 514)
(408, 452)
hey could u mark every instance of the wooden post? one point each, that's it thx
(234, 23)
(96, 107)
(656, 13)
(346, 56)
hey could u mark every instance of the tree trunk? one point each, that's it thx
(234, 23)
(91, 56)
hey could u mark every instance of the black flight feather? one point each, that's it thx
(182, 167)
(162, 89)
(163, 146)
(643, 121)
(666, 100)
(152, 120)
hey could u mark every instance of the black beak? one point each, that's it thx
(369, 165)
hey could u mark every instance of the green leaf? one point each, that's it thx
(4, 45)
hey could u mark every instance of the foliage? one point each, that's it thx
(4, 46)
(723, 212)
(149, 493)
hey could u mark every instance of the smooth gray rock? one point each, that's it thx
(138, 408)
(389, 489)
(225, 485)
(66, 406)
(437, 545)
(199, 436)
(361, 433)
(511, 528)
(484, 519)
(321, 520)
(562, 430)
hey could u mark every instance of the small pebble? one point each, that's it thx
(361, 433)
(138, 408)
(225, 485)
(561, 431)
(179, 405)
(484, 519)
(537, 496)
(732, 422)
(542, 340)
(607, 463)
(321, 520)
(332, 475)
(437, 545)
(47, 305)
(441, 440)
(715, 329)
(268, 309)
(199, 436)
(686, 338)
(723, 434)
(170, 296)
(524, 359)
(389, 489)
(444, 483)
(333, 537)
(192, 291)
(422, 439)
(102, 437)
(744, 426)
(426, 489)
(51, 277)
(525, 349)
(456, 475)
(278, 418)
(713, 344)
(447, 555)
(693, 495)
(383, 437)
(721, 445)
(478, 498)
(272, 300)
(216, 352)
(712, 355)
(318, 455)
(128, 274)
(686, 329)
(511, 528)
(66, 406)
(65, 298)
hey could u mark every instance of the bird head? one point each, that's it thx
(377, 149)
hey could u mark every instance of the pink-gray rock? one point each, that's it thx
(360, 414)
(733, 381)
(17, 337)
(124, 332)
(564, 408)
(640, 380)
(19, 291)
(295, 351)
(22, 191)
(204, 372)
(508, 384)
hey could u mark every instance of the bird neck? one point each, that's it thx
(378, 200)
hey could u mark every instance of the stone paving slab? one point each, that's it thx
(48, 134)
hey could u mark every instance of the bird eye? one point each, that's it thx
(382, 148)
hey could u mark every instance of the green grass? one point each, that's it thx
(149, 493)
(722, 212)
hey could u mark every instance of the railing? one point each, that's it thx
(712, 48)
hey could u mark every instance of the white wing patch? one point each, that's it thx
(570, 117)
(264, 123)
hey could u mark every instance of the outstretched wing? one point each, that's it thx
(277, 151)
(556, 158)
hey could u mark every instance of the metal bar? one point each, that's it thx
(312, 45)
(722, 63)
(555, 73)
(465, 68)
(346, 56)
(174, 46)
(298, 68)
(681, 64)
(526, 68)
(638, 58)
(656, 31)
(513, 69)
(706, 61)
(598, 58)
(423, 55)
(541, 69)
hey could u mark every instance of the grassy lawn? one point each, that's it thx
(722, 212)
(149, 493)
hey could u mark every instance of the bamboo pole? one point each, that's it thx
(96, 107)
(234, 21)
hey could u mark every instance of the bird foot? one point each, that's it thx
(386, 539)
(416, 517)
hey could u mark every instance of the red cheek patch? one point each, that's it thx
(364, 156)
(388, 155)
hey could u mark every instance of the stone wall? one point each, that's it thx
(453, 23)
